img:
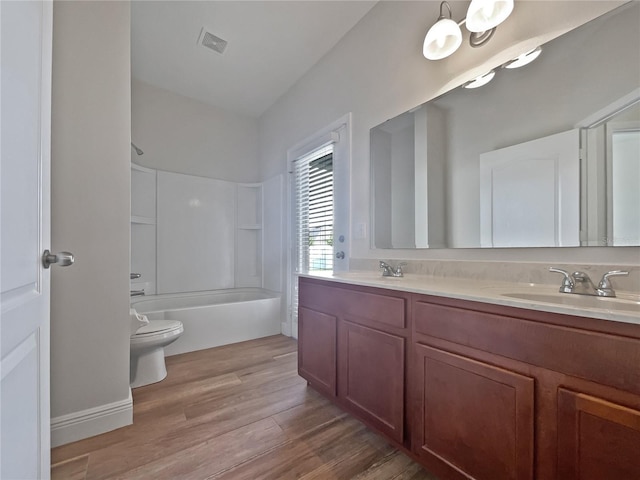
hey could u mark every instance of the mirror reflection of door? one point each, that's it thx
(529, 193)
(625, 201)
(623, 166)
(611, 174)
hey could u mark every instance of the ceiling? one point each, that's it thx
(271, 44)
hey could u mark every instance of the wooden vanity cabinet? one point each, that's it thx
(474, 390)
(506, 393)
(363, 334)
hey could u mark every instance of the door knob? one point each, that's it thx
(340, 255)
(64, 259)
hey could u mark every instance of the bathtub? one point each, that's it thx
(214, 318)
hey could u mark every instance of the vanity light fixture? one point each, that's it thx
(445, 36)
(480, 81)
(483, 15)
(524, 59)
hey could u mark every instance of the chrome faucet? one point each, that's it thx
(389, 271)
(580, 283)
(133, 276)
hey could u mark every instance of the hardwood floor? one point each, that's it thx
(238, 412)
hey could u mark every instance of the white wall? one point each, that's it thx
(430, 168)
(90, 188)
(403, 233)
(381, 178)
(179, 134)
(377, 71)
(210, 146)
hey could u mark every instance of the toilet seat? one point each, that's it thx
(155, 332)
(157, 327)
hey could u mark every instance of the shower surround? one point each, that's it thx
(192, 234)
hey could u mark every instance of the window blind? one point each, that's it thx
(313, 187)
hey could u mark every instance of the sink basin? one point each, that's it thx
(579, 301)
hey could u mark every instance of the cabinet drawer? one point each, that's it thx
(314, 296)
(607, 359)
(367, 308)
(372, 308)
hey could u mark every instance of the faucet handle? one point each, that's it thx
(605, 284)
(567, 281)
(387, 271)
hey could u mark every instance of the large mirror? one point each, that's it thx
(545, 155)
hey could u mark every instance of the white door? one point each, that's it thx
(530, 193)
(24, 224)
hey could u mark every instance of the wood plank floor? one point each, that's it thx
(238, 412)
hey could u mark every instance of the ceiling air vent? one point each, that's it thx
(209, 40)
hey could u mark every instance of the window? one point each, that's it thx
(313, 183)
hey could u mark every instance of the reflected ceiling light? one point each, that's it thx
(443, 38)
(524, 59)
(480, 81)
(483, 15)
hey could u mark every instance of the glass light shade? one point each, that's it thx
(524, 59)
(480, 81)
(443, 38)
(484, 15)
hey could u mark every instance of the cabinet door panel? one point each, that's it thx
(597, 439)
(317, 349)
(372, 376)
(476, 417)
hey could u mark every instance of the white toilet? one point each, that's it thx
(147, 351)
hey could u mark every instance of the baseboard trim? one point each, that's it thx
(93, 421)
(285, 328)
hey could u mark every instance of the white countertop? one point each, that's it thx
(625, 308)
